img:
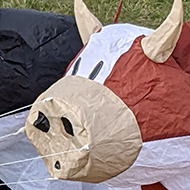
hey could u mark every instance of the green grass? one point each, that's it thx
(150, 13)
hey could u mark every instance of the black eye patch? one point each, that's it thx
(42, 123)
(76, 66)
(96, 70)
(67, 125)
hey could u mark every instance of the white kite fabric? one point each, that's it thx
(33, 174)
(115, 40)
(19, 148)
(169, 156)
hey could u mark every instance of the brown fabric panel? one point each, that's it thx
(87, 23)
(159, 45)
(156, 186)
(158, 94)
(181, 53)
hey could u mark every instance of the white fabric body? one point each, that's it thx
(180, 181)
(17, 148)
(107, 46)
(165, 160)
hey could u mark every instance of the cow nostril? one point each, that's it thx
(42, 123)
(57, 165)
(67, 125)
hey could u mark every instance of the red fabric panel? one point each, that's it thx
(158, 94)
(156, 186)
(181, 52)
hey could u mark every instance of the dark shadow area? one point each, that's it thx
(4, 187)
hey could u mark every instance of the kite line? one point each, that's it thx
(17, 110)
(13, 134)
(28, 181)
(25, 107)
(85, 147)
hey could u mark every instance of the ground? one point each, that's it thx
(150, 13)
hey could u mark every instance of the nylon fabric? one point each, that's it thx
(156, 186)
(35, 49)
(4, 187)
(87, 23)
(19, 148)
(101, 126)
(159, 160)
(150, 90)
(165, 160)
(160, 44)
(107, 50)
(166, 154)
(152, 153)
(181, 52)
(177, 182)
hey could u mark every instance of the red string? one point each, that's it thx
(118, 11)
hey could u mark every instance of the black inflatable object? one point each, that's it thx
(35, 49)
(4, 187)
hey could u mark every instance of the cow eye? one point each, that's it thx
(67, 125)
(76, 66)
(42, 123)
(96, 70)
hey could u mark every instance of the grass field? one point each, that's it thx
(148, 13)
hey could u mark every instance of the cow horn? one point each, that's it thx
(87, 23)
(159, 45)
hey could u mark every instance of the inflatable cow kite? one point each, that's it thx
(121, 113)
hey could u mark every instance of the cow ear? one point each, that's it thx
(87, 23)
(159, 45)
